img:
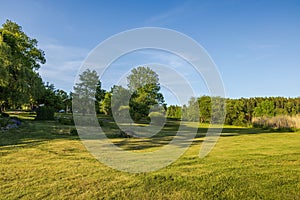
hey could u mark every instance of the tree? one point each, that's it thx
(19, 61)
(85, 97)
(120, 98)
(144, 85)
(205, 109)
(99, 97)
(193, 110)
(106, 104)
(174, 112)
(265, 108)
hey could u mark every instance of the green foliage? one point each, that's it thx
(205, 109)
(123, 112)
(238, 111)
(55, 98)
(45, 113)
(265, 108)
(73, 132)
(106, 104)
(157, 118)
(99, 96)
(4, 121)
(143, 83)
(120, 98)
(87, 93)
(192, 111)
(142, 95)
(20, 59)
(174, 112)
(4, 115)
(65, 119)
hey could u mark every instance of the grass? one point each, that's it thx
(281, 122)
(36, 162)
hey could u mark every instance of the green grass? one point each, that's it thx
(39, 160)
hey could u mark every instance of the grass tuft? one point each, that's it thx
(283, 122)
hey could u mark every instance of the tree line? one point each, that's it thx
(238, 111)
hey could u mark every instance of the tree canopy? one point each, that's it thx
(20, 59)
(238, 111)
(144, 85)
(87, 93)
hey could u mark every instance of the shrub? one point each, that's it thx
(73, 132)
(137, 116)
(100, 122)
(4, 115)
(4, 121)
(123, 113)
(157, 118)
(45, 113)
(66, 120)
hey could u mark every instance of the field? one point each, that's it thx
(39, 160)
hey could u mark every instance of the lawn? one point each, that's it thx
(39, 160)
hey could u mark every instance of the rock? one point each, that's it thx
(11, 126)
(16, 121)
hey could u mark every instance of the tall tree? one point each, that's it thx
(99, 96)
(193, 110)
(174, 111)
(120, 98)
(20, 59)
(85, 95)
(205, 108)
(144, 85)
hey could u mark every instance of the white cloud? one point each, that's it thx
(63, 63)
(169, 15)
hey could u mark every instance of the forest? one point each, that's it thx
(241, 111)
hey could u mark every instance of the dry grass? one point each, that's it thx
(278, 122)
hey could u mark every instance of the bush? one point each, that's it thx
(4, 115)
(100, 122)
(123, 113)
(73, 132)
(157, 118)
(66, 120)
(4, 121)
(136, 116)
(45, 113)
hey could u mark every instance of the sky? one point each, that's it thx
(254, 44)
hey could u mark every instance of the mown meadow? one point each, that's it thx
(41, 160)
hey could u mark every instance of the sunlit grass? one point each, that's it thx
(36, 163)
(22, 115)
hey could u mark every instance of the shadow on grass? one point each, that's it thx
(33, 133)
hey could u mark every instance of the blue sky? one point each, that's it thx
(255, 44)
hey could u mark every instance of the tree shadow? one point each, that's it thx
(32, 133)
